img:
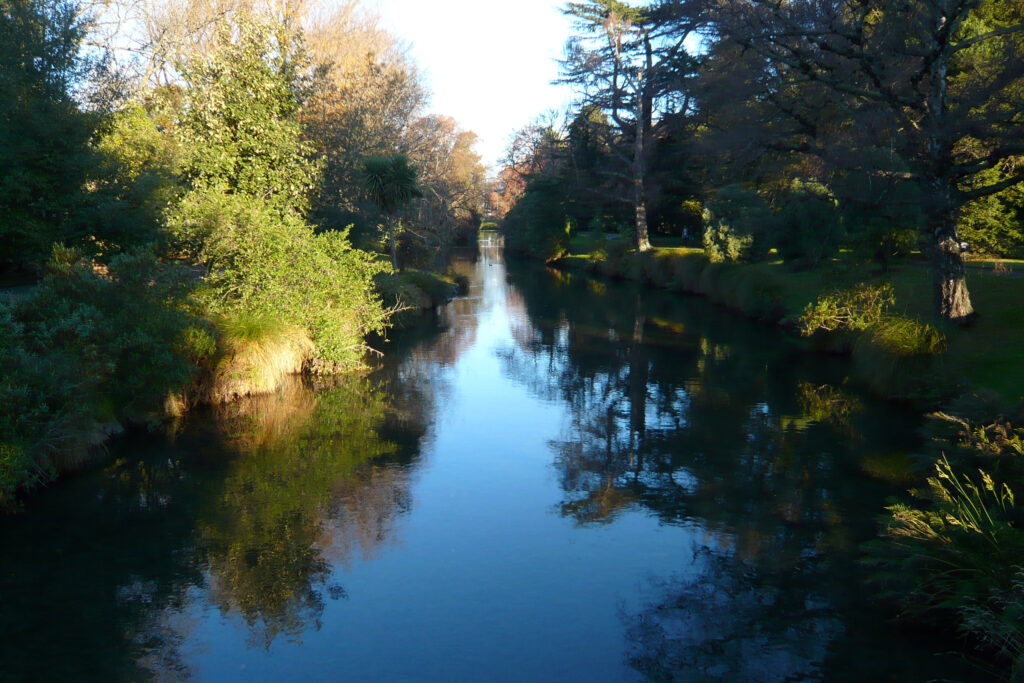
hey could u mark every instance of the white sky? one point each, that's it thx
(489, 63)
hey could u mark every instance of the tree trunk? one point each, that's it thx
(639, 199)
(642, 242)
(952, 300)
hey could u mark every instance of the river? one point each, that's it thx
(555, 479)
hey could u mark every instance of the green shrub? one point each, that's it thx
(263, 263)
(537, 224)
(136, 179)
(461, 283)
(808, 229)
(855, 308)
(89, 348)
(723, 245)
(737, 223)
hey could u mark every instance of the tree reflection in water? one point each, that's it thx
(303, 482)
(761, 452)
(250, 509)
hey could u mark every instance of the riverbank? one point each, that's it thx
(986, 357)
(90, 356)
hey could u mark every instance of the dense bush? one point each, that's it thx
(723, 244)
(737, 224)
(855, 308)
(807, 228)
(883, 233)
(243, 216)
(44, 152)
(90, 348)
(135, 179)
(259, 262)
(537, 224)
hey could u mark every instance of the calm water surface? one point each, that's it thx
(556, 480)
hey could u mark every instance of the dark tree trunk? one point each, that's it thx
(952, 300)
(643, 243)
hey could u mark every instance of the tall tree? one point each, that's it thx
(241, 129)
(452, 179)
(625, 60)
(930, 94)
(44, 154)
(366, 100)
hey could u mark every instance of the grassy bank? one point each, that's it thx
(413, 291)
(988, 356)
(90, 351)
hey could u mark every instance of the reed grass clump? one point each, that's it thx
(257, 352)
(957, 554)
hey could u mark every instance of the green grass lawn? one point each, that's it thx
(989, 354)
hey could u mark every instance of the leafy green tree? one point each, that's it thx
(250, 172)
(241, 131)
(808, 229)
(627, 60)
(85, 351)
(995, 224)
(44, 153)
(926, 92)
(537, 224)
(391, 184)
(135, 178)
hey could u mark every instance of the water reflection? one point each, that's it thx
(758, 449)
(301, 471)
(543, 452)
(253, 507)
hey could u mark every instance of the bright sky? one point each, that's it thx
(489, 63)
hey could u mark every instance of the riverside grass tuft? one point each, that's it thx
(958, 553)
(257, 353)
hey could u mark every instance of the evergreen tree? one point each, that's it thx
(44, 153)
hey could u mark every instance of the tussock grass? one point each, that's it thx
(257, 352)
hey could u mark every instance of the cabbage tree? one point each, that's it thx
(391, 183)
